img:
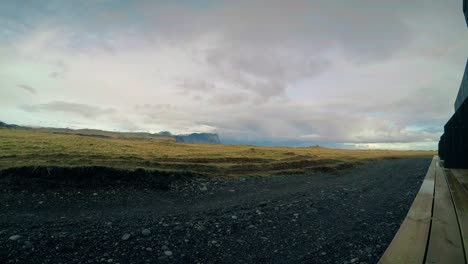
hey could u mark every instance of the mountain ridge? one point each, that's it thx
(207, 138)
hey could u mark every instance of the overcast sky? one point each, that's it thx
(343, 73)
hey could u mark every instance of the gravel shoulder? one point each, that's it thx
(346, 217)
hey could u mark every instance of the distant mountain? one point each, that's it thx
(5, 125)
(199, 138)
(206, 138)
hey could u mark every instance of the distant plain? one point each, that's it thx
(30, 147)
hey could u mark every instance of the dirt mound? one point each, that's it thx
(88, 177)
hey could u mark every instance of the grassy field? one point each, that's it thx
(38, 148)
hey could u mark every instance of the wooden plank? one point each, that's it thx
(445, 244)
(409, 244)
(460, 200)
(462, 177)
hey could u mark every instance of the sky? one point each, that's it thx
(348, 74)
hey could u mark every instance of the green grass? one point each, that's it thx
(38, 148)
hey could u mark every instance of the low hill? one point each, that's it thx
(199, 138)
(204, 138)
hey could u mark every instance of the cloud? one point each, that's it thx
(229, 99)
(271, 72)
(83, 110)
(27, 88)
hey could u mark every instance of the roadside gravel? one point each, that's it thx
(347, 217)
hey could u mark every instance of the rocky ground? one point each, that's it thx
(349, 217)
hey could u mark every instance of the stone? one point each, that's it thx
(126, 236)
(146, 232)
(28, 244)
(168, 253)
(164, 248)
(15, 237)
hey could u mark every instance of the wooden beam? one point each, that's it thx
(410, 242)
(460, 200)
(445, 243)
(462, 177)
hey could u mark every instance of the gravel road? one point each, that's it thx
(346, 217)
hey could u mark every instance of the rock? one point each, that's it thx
(15, 237)
(149, 249)
(27, 244)
(203, 188)
(168, 253)
(234, 217)
(354, 260)
(146, 232)
(110, 260)
(164, 248)
(126, 236)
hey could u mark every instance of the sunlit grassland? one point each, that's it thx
(37, 148)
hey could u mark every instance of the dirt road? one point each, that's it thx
(349, 217)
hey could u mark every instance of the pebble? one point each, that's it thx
(15, 237)
(164, 248)
(203, 188)
(126, 236)
(354, 260)
(27, 244)
(149, 249)
(145, 232)
(234, 217)
(168, 253)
